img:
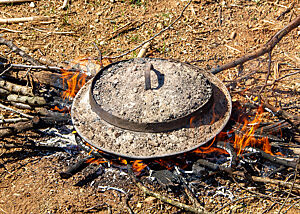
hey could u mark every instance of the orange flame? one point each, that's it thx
(192, 121)
(96, 161)
(209, 150)
(75, 80)
(240, 142)
(63, 110)
(214, 114)
(138, 166)
(123, 161)
(168, 164)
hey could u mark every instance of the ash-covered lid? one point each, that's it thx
(176, 90)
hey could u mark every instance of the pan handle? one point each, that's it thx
(148, 76)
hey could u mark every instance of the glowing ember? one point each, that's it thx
(138, 166)
(96, 161)
(63, 110)
(168, 164)
(123, 161)
(209, 150)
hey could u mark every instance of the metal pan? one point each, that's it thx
(103, 136)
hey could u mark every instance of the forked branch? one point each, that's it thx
(267, 48)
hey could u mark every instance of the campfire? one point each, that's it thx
(195, 134)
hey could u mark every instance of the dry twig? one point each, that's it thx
(270, 181)
(286, 11)
(14, 1)
(13, 120)
(32, 101)
(144, 50)
(24, 19)
(18, 89)
(10, 30)
(293, 204)
(233, 201)
(285, 115)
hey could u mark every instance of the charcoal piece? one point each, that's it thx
(166, 178)
(91, 177)
(199, 170)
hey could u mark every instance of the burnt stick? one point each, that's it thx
(77, 167)
(272, 158)
(281, 113)
(32, 146)
(274, 127)
(228, 148)
(192, 197)
(258, 134)
(208, 164)
(91, 177)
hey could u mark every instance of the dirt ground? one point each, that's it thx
(210, 33)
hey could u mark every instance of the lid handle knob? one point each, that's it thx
(148, 77)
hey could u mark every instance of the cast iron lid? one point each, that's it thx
(169, 118)
(149, 95)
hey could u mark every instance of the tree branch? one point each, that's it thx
(268, 47)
